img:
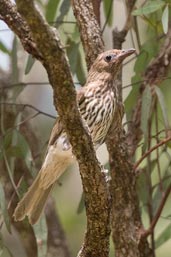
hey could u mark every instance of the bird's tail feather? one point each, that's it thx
(34, 200)
(32, 203)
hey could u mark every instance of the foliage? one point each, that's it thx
(155, 170)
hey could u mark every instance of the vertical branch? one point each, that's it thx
(126, 219)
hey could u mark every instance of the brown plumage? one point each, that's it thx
(97, 102)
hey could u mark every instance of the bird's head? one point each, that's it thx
(111, 60)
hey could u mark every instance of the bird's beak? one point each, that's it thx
(125, 53)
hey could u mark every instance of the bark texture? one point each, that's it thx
(89, 29)
(96, 241)
(9, 14)
(125, 217)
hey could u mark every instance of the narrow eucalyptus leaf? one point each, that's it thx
(51, 9)
(165, 19)
(40, 230)
(81, 204)
(164, 236)
(1, 245)
(108, 6)
(64, 9)
(14, 61)
(4, 49)
(29, 64)
(163, 106)
(145, 109)
(149, 7)
(4, 209)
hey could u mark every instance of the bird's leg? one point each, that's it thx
(107, 176)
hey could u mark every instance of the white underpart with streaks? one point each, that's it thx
(98, 113)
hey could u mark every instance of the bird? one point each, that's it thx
(97, 102)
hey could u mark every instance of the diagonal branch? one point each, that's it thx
(9, 14)
(89, 29)
(96, 241)
(147, 232)
(164, 141)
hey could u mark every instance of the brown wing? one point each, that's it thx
(58, 128)
(56, 132)
(80, 95)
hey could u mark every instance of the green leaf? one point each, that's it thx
(3, 208)
(14, 61)
(23, 145)
(72, 52)
(4, 49)
(64, 9)
(164, 236)
(145, 109)
(157, 195)
(108, 7)
(131, 98)
(14, 151)
(141, 61)
(40, 230)
(142, 188)
(149, 7)
(7, 139)
(80, 69)
(163, 106)
(151, 47)
(75, 59)
(24, 150)
(51, 9)
(1, 244)
(165, 19)
(81, 204)
(29, 64)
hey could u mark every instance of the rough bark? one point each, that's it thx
(96, 9)
(126, 220)
(125, 217)
(96, 241)
(9, 14)
(89, 29)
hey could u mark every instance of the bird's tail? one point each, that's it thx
(32, 203)
(34, 200)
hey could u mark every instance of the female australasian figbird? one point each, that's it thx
(98, 104)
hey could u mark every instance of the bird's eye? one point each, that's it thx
(108, 58)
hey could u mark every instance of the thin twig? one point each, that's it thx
(164, 141)
(30, 106)
(158, 213)
(14, 193)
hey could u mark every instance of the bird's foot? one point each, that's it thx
(106, 175)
